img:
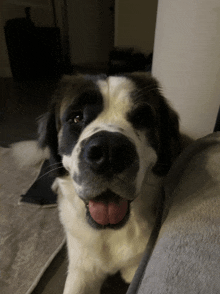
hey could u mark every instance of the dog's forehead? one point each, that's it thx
(75, 90)
(116, 93)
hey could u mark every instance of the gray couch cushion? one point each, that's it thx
(186, 258)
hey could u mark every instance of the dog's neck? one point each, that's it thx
(149, 199)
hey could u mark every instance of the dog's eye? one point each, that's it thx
(142, 117)
(76, 118)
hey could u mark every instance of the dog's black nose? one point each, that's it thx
(109, 152)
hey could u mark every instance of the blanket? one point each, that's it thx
(31, 236)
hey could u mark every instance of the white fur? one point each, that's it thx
(28, 153)
(94, 254)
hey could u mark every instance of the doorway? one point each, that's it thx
(91, 31)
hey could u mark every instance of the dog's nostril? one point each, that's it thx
(95, 153)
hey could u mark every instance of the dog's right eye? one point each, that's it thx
(142, 117)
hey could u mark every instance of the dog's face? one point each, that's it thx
(109, 132)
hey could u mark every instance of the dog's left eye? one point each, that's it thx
(76, 118)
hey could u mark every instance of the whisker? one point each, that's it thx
(49, 172)
(54, 164)
(148, 88)
(123, 181)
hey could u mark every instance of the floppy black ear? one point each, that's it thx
(47, 137)
(164, 134)
(169, 146)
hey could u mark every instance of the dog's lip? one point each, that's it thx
(87, 202)
(107, 196)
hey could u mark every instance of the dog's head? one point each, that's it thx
(108, 133)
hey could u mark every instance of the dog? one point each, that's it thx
(112, 140)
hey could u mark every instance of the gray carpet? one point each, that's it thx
(30, 235)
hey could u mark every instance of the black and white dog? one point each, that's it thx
(114, 139)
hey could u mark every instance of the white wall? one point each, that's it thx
(135, 24)
(187, 61)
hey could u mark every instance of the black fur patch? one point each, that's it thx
(153, 113)
(82, 94)
(90, 106)
(48, 138)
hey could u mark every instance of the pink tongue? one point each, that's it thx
(108, 213)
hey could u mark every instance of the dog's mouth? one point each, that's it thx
(108, 210)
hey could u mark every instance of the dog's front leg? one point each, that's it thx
(85, 274)
(81, 282)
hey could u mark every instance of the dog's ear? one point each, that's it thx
(48, 137)
(164, 134)
(169, 146)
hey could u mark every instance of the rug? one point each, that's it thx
(31, 235)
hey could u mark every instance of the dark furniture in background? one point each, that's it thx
(125, 60)
(34, 52)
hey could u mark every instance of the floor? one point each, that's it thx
(21, 103)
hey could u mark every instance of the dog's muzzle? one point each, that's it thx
(108, 162)
(108, 153)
